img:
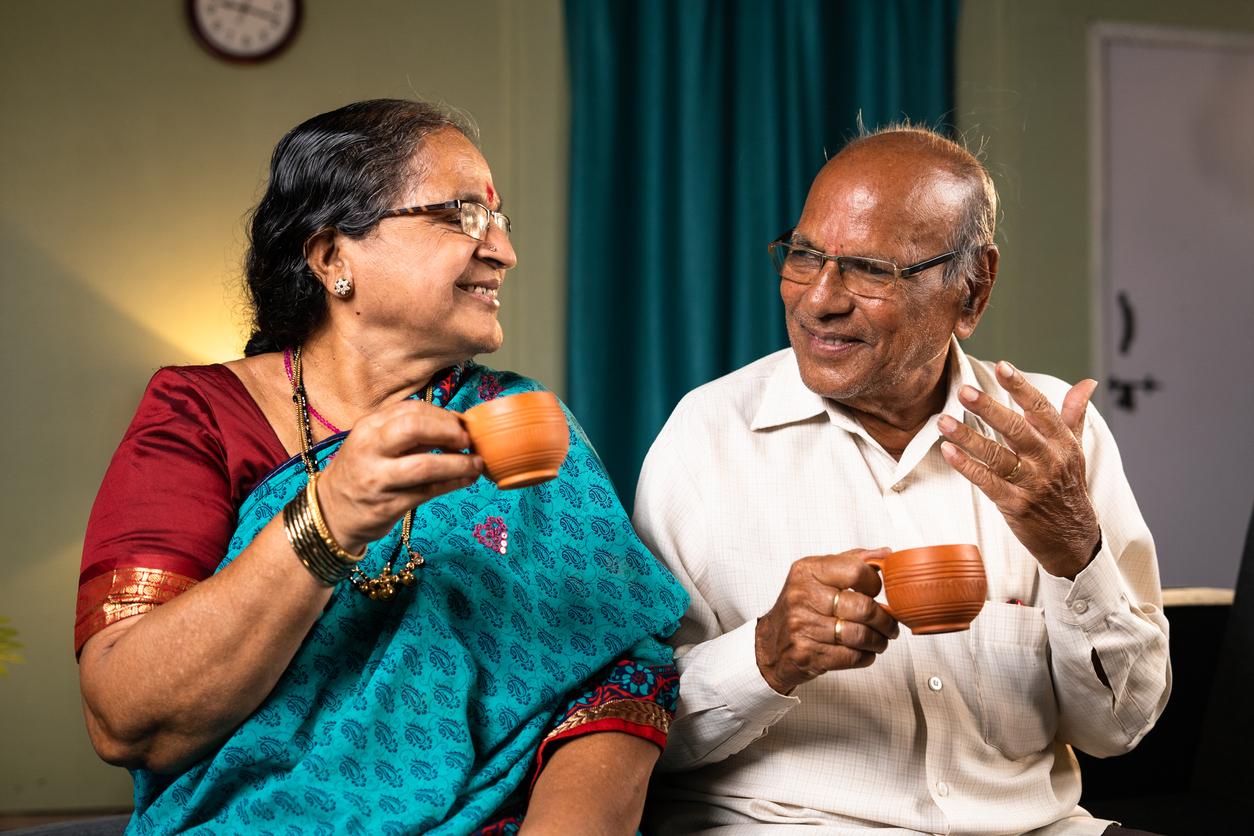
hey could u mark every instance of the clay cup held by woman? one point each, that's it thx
(523, 439)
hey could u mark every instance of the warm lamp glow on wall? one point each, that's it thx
(201, 336)
(215, 345)
(200, 324)
(200, 321)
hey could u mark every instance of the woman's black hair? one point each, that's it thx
(340, 170)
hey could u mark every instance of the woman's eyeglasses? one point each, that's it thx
(474, 217)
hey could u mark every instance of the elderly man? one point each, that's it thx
(802, 702)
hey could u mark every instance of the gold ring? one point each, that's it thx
(840, 628)
(1010, 477)
(836, 601)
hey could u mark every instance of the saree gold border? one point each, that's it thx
(640, 712)
(123, 593)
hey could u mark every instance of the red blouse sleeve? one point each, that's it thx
(167, 507)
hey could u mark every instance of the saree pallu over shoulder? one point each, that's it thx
(537, 616)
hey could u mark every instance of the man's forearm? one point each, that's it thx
(593, 785)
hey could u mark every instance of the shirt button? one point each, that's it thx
(1080, 607)
(942, 789)
(899, 487)
(935, 683)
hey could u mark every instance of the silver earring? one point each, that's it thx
(343, 287)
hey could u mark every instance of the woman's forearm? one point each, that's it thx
(594, 785)
(159, 690)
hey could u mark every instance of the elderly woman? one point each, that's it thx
(492, 661)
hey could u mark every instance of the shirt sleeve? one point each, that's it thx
(724, 702)
(164, 514)
(1108, 624)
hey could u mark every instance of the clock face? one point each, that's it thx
(244, 30)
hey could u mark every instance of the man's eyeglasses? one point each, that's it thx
(474, 217)
(870, 277)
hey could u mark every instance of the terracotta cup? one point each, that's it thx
(523, 439)
(934, 589)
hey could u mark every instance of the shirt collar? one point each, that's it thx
(787, 400)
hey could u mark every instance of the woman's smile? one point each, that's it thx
(485, 291)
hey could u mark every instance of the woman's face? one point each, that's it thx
(419, 281)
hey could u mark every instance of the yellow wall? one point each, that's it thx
(129, 158)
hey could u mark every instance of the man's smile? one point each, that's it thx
(829, 343)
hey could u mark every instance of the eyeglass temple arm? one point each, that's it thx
(914, 269)
(422, 210)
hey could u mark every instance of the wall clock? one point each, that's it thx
(246, 31)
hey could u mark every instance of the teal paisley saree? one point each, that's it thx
(537, 616)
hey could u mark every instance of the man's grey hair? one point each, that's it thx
(978, 220)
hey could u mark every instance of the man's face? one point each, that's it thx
(876, 352)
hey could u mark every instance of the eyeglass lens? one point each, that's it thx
(475, 218)
(862, 276)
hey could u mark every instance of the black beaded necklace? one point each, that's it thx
(382, 586)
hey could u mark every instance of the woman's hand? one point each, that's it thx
(386, 467)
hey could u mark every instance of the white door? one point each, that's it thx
(1173, 177)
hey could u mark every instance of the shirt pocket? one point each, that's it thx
(1018, 711)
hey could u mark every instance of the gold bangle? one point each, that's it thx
(299, 528)
(321, 556)
(302, 536)
(323, 530)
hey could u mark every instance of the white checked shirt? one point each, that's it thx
(960, 733)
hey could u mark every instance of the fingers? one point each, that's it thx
(853, 633)
(991, 484)
(426, 469)
(847, 570)
(983, 449)
(860, 611)
(412, 426)
(810, 598)
(1037, 410)
(799, 638)
(1020, 436)
(857, 635)
(1040, 423)
(1076, 404)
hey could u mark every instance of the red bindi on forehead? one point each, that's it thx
(491, 193)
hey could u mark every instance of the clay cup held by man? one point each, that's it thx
(934, 589)
(523, 438)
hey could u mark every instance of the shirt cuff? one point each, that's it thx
(1096, 592)
(731, 670)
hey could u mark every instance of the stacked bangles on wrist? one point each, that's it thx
(312, 541)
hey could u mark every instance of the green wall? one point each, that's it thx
(1023, 90)
(129, 158)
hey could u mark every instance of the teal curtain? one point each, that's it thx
(696, 128)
